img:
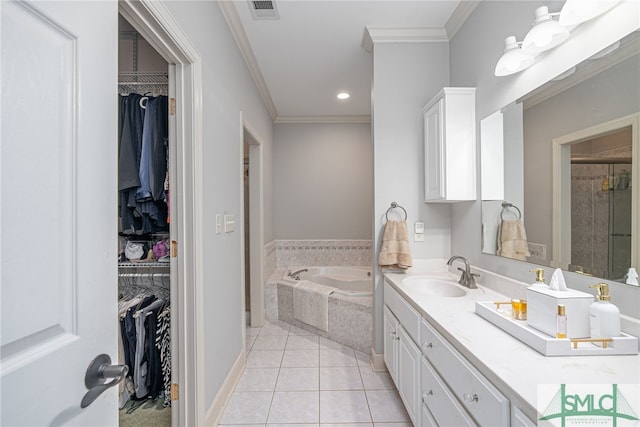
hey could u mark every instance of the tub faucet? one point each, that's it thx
(467, 278)
(296, 274)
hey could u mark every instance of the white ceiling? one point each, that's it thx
(314, 50)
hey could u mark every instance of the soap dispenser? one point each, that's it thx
(539, 277)
(604, 317)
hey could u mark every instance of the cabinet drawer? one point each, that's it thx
(406, 315)
(478, 396)
(439, 401)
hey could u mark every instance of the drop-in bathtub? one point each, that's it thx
(350, 313)
(350, 281)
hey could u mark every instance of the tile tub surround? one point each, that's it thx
(317, 253)
(350, 318)
(280, 255)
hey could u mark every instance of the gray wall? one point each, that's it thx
(405, 77)
(228, 90)
(323, 181)
(474, 52)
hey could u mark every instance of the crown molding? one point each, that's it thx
(322, 119)
(374, 35)
(237, 30)
(459, 16)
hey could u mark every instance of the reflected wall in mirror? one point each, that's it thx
(573, 116)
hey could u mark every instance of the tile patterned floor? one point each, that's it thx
(295, 378)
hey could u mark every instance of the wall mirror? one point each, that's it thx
(561, 166)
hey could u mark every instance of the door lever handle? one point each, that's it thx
(100, 369)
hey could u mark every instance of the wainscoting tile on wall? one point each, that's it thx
(270, 259)
(291, 253)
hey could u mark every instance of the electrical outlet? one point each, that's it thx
(537, 250)
(418, 237)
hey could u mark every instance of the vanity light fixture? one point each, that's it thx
(514, 59)
(545, 34)
(343, 95)
(576, 12)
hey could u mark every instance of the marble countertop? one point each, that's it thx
(513, 367)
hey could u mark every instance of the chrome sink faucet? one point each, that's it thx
(467, 278)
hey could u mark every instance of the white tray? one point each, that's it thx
(548, 345)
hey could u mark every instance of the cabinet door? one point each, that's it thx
(439, 400)
(434, 185)
(427, 418)
(409, 375)
(390, 347)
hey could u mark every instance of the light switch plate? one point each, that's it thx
(218, 223)
(419, 227)
(229, 223)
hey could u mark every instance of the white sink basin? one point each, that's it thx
(434, 287)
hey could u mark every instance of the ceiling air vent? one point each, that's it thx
(263, 9)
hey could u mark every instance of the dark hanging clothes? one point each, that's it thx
(131, 125)
(142, 163)
(159, 140)
(145, 334)
(129, 340)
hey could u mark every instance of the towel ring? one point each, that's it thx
(506, 206)
(394, 205)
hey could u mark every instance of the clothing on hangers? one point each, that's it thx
(142, 163)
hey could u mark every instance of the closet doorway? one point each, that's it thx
(144, 268)
(157, 26)
(253, 241)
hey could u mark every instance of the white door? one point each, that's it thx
(58, 219)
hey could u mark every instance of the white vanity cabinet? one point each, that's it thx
(439, 403)
(401, 354)
(438, 386)
(469, 387)
(450, 146)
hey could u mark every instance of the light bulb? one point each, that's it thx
(513, 59)
(545, 34)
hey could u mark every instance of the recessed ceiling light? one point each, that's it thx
(343, 95)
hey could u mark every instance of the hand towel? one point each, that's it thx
(311, 304)
(395, 251)
(512, 240)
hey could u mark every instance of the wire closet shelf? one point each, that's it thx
(143, 82)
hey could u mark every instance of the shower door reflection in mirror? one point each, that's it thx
(601, 205)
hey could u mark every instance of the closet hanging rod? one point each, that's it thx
(142, 84)
(143, 265)
(148, 275)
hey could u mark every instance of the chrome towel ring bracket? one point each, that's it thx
(506, 206)
(394, 205)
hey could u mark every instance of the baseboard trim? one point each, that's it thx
(377, 362)
(212, 417)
